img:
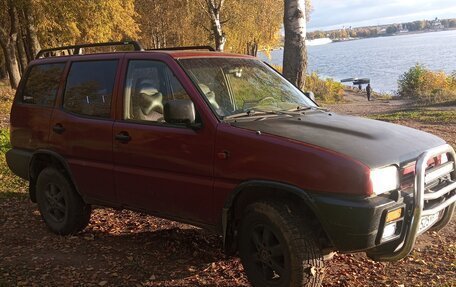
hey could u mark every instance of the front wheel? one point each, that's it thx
(277, 247)
(61, 207)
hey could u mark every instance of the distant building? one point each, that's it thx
(381, 30)
(403, 28)
(436, 24)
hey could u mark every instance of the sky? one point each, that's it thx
(335, 14)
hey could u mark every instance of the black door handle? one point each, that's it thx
(58, 128)
(123, 137)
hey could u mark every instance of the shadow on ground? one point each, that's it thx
(117, 248)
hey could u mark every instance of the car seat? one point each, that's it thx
(147, 102)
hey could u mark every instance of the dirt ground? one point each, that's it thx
(123, 248)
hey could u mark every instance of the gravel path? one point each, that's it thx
(356, 103)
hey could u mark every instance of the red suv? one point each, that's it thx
(224, 142)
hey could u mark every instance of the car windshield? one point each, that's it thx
(236, 87)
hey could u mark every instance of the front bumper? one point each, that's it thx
(355, 225)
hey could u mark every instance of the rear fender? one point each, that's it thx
(42, 159)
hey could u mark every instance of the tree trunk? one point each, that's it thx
(22, 56)
(25, 39)
(216, 25)
(252, 48)
(295, 52)
(12, 65)
(32, 36)
(8, 43)
(2, 67)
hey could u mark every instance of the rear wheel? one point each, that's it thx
(278, 248)
(61, 207)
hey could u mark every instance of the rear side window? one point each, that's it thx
(42, 84)
(89, 88)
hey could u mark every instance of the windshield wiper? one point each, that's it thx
(248, 113)
(301, 109)
(252, 112)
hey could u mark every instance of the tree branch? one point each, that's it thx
(220, 6)
(3, 33)
(223, 22)
(207, 29)
(13, 20)
(205, 7)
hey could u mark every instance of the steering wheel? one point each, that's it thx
(268, 99)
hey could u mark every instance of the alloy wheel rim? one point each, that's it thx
(55, 203)
(267, 254)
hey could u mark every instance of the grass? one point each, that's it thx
(6, 98)
(383, 96)
(425, 116)
(10, 185)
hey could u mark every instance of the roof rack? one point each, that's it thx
(209, 48)
(76, 49)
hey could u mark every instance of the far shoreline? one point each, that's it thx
(394, 35)
(281, 47)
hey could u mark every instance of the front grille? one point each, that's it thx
(432, 193)
(438, 184)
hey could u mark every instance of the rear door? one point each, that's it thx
(33, 106)
(81, 128)
(160, 167)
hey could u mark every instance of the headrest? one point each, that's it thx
(210, 95)
(205, 89)
(147, 88)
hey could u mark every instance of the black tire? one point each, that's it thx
(60, 206)
(277, 247)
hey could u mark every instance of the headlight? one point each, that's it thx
(443, 158)
(384, 179)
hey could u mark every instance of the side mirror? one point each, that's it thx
(180, 112)
(310, 95)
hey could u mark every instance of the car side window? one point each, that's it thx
(42, 84)
(149, 85)
(89, 88)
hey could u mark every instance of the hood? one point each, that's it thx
(374, 143)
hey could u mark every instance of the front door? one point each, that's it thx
(81, 129)
(160, 167)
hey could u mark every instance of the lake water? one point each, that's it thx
(382, 59)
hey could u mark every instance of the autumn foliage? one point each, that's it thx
(26, 26)
(427, 86)
(325, 90)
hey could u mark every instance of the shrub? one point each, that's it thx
(325, 90)
(427, 86)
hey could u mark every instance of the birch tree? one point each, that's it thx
(295, 52)
(213, 9)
